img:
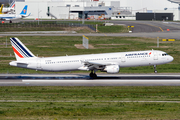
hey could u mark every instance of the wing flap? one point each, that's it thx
(97, 63)
(89, 65)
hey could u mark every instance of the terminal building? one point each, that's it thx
(98, 9)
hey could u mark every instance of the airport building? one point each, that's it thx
(97, 9)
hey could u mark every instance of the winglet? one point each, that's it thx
(29, 14)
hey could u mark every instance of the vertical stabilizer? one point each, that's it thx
(1, 9)
(20, 50)
(24, 11)
(12, 5)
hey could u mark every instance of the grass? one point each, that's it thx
(112, 29)
(89, 103)
(89, 111)
(60, 46)
(90, 94)
(61, 26)
(32, 29)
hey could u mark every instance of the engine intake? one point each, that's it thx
(112, 69)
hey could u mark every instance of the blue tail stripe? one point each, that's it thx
(22, 48)
(12, 3)
(17, 47)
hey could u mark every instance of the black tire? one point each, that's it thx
(94, 76)
(91, 75)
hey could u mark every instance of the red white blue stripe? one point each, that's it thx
(19, 49)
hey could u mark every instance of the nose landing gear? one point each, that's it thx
(155, 71)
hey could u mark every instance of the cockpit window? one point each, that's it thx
(164, 54)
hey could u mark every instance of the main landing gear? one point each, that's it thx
(93, 74)
(155, 71)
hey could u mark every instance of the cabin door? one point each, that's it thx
(38, 64)
(123, 58)
(155, 56)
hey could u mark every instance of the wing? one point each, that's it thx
(89, 65)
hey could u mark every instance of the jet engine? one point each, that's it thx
(112, 69)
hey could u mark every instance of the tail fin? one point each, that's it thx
(20, 50)
(1, 9)
(24, 11)
(12, 5)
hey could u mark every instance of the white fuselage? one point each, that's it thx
(5, 10)
(77, 62)
(10, 16)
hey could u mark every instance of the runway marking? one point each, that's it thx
(103, 81)
(161, 29)
(102, 75)
(151, 25)
(35, 101)
(135, 75)
(105, 34)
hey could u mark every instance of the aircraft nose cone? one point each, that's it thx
(171, 59)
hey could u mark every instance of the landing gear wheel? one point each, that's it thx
(155, 71)
(93, 75)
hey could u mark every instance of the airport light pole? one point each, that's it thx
(6, 41)
(83, 13)
(38, 14)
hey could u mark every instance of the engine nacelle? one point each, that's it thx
(112, 69)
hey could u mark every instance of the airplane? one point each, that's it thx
(15, 16)
(106, 62)
(11, 8)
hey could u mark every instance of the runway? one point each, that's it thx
(165, 35)
(84, 80)
(148, 29)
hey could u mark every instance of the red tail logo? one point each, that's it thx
(24, 11)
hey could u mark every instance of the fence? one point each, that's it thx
(45, 24)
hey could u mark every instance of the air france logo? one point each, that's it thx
(134, 54)
(24, 11)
